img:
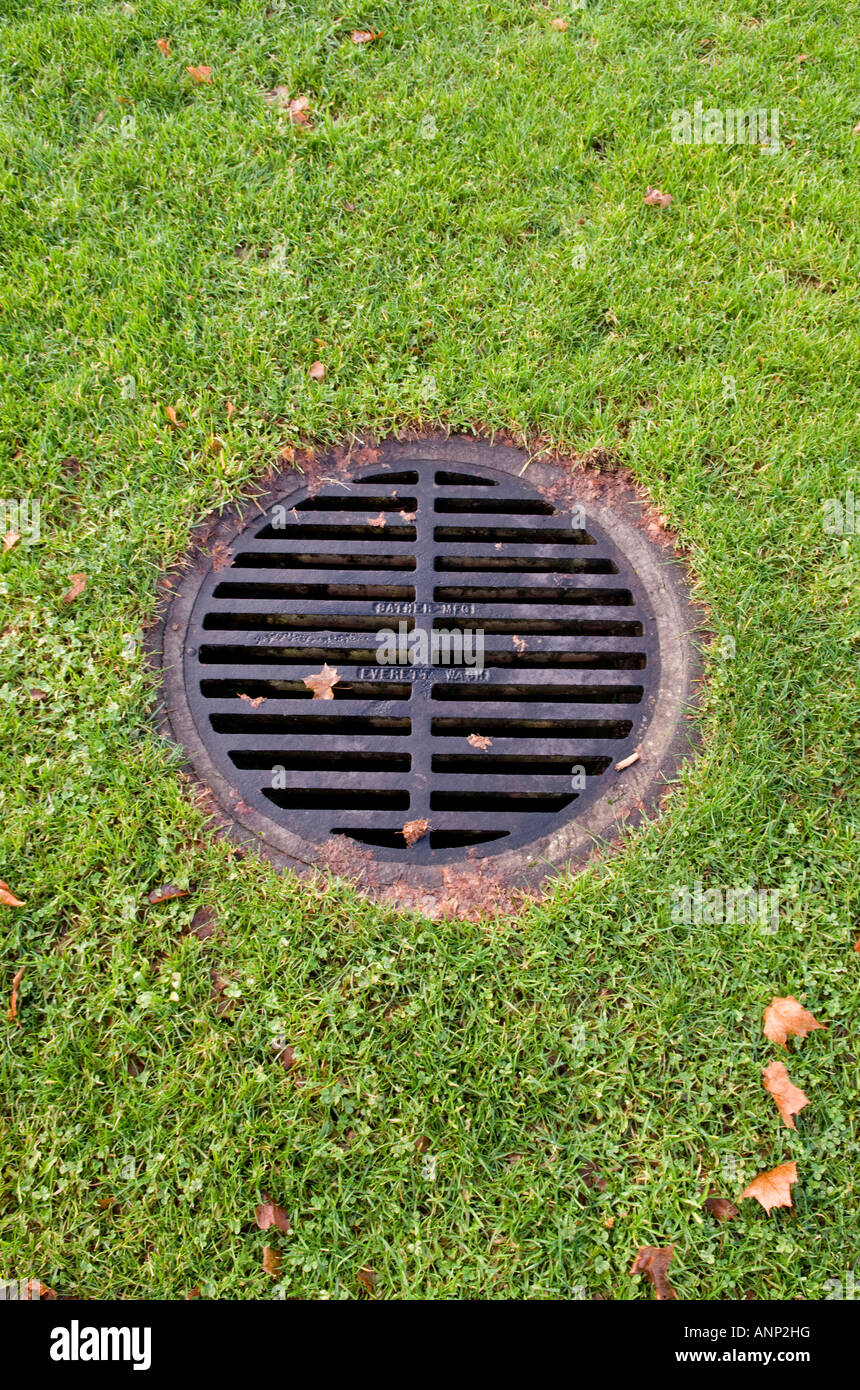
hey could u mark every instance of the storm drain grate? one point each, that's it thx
(497, 645)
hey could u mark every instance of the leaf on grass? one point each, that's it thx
(785, 1016)
(316, 371)
(789, 1098)
(163, 46)
(367, 1278)
(414, 829)
(13, 1000)
(559, 25)
(175, 422)
(259, 700)
(10, 539)
(288, 1058)
(203, 923)
(36, 694)
(270, 1214)
(166, 892)
(7, 897)
(231, 409)
(721, 1208)
(654, 198)
(480, 741)
(200, 74)
(322, 683)
(654, 1260)
(271, 1261)
(773, 1188)
(76, 588)
(366, 35)
(297, 107)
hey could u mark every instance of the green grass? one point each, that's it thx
(501, 272)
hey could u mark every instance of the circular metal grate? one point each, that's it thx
(490, 640)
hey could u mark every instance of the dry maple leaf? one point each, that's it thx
(76, 588)
(175, 422)
(376, 520)
(654, 1260)
(323, 682)
(785, 1016)
(773, 1188)
(789, 1098)
(203, 923)
(271, 1261)
(270, 1214)
(366, 35)
(166, 893)
(7, 897)
(654, 198)
(559, 24)
(36, 694)
(163, 46)
(259, 700)
(480, 741)
(316, 371)
(200, 74)
(288, 1058)
(721, 1208)
(409, 516)
(10, 539)
(413, 830)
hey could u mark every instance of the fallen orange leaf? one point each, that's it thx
(170, 412)
(13, 1002)
(163, 46)
(480, 741)
(789, 1098)
(773, 1188)
(721, 1208)
(316, 371)
(559, 24)
(654, 198)
(270, 1214)
(323, 682)
(785, 1016)
(271, 1261)
(7, 897)
(200, 74)
(654, 1260)
(10, 539)
(366, 35)
(76, 588)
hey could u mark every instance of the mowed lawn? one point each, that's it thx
(498, 1109)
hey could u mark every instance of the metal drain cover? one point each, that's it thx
(504, 633)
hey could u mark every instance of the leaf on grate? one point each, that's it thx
(270, 1214)
(721, 1208)
(200, 73)
(76, 588)
(163, 46)
(13, 1001)
(654, 198)
(627, 762)
(408, 516)
(323, 682)
(414, 829)
(166, 893)
(480, 741)
(519, 643)
(773, 1188)
(376, 520)
(785, 1016)
(259, 700)
(271, 1261)
(654, 1260)
(7, 897)
(789, 1098)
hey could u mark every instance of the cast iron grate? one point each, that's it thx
(494, 758)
